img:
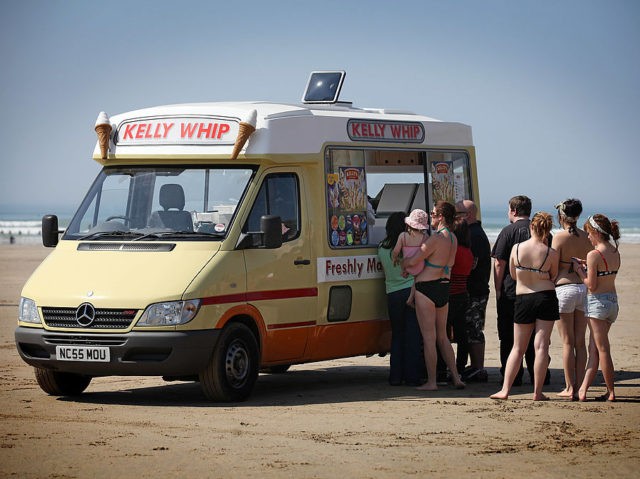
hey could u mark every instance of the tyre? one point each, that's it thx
(56, 383)
(233, 368)
(279, 369)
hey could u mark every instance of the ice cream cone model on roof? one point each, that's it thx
(103, 129)
(247, 127)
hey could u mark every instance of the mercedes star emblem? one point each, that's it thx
(85, 314)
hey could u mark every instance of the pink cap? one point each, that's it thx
(418, 219)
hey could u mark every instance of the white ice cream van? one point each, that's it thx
(220, 240)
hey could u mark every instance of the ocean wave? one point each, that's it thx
(18, 228)
(627, 235)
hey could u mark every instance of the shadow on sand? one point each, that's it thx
(300, 386)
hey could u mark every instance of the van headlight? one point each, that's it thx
(28, 311)
(170, 313)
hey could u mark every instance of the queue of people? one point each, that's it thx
(438, 286)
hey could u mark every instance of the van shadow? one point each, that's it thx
(331, 385)
(296, 387)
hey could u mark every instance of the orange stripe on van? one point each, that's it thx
(261, 296)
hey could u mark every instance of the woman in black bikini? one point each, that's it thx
(536, 306)
(432, 293)
(599, 274)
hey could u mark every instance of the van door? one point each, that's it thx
(281, 283)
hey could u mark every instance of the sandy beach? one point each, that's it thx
(322, 420)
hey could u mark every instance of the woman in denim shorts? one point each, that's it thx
(571, 242)
(599, 273)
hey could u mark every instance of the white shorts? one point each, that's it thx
(571, 297)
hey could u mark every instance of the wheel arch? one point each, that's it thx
(250, 317)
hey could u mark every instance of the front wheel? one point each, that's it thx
(233, 368)
(56, 383)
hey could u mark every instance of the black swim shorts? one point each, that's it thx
(436, 290)
(541, 305)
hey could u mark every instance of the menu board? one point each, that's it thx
(347, 196)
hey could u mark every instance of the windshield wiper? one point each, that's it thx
(178, 234)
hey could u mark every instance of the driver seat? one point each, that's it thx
(173, 216)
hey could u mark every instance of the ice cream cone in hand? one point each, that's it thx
(103, 129)
(247, 127)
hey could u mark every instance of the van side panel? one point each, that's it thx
(332, 341)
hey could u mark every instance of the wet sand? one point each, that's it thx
(329, 419)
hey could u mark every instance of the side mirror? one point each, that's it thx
(271, 227)
(269, 236)
(50, 231)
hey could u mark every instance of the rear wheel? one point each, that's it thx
(233, 368)
(56, 383)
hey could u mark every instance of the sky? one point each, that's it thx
(550, 88)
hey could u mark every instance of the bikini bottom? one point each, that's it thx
(436, 290)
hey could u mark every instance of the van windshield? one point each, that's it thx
(149, 203)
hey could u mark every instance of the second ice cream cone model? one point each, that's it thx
(103, 129)
(247, 127)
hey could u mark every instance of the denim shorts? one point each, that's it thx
(602, 306)
(571, 297)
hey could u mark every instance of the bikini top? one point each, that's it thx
(570, 263)
(445, 268)
(533, 270)
(607, 272)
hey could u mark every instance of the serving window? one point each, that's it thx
(365, 186)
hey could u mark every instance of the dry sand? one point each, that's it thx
(330, 419)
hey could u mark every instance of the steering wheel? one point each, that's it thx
(119, 217)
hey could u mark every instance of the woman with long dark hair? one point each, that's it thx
(405, 335)
(571, 242)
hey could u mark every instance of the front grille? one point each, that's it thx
(105, 318)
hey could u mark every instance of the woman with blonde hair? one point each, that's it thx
(571, 242)
(534, 265)
(599, 274)
(438, 252)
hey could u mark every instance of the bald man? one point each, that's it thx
(478, 287)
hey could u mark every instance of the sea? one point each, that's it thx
(25, 227)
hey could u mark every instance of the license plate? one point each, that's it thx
(83, 353)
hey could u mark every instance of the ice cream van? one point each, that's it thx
(222, 240)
